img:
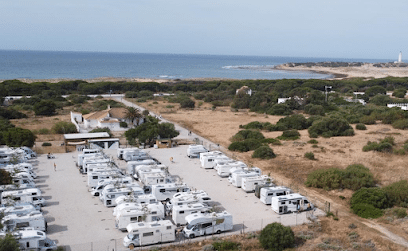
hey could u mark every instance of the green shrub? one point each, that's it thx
(385, 145)
(398, 192)
(247, 134)
(325, 178)
(16, 137)
(245, 145)
(368, 120)
(9, 243)
(263, 152)
(374, 196)
(400, 124)
(43, 131)
(5, 178)
(313, 141)
(63, 127)
(289, 135)
(276, 237)
(399, 93)
(123, 124)
(46, 144)
(187, 103)
(104, 129)
(310, 155)
(367, 211)
(280, 109)
(272, 141)
(295, 121)
(330, 127)
(380, 100)
(314, 109)
(357, 176)
(226, 245)
(399, 212)
(252, 125)
(45, 107)
(361, 126)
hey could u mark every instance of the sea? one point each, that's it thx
(19, 64)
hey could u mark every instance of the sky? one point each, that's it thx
(314, 28)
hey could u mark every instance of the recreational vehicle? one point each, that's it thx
(119, 152)
(193, 151)
(104, 182)
(109, 194)
(166, 191)
(134, 154)
(34, 220)
(23, 181)
(236, 178)
(224, 168)
(268, 192)
(249, 183)
(146, 233)
(29, 151)
(202, 224)
(260, 186)
(95, 177)
(179, 212)
(33, 240)
(131, 165)
(185, 198)
(18, 210)
(146, 213)
(141, 199)
(290, 203)
(29, 195)
(207, 159)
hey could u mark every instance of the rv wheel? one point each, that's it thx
(131, 246)
(191, 236)
(218, 231)
(96, 194)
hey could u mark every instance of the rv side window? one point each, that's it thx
(28, 244)
(161, 180)
(205, 225)
(181, 212)
(157, 231)
(95, 177)
(271, 194)
(147, 234)
(283, 203)
(162, 190)
(289, 202)
(280, 194)
(154, 212)
(22, 224)
(133, 219)
(210, 160)
(168, 227)
(306, 201)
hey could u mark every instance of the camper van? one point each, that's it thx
(249, 183)
(185, 198)
(119, 152)
(104, 182)
(179, 212)
(260, 186)
(34, 220)
(29, 195)
(95, 177)
(141, 199)
(267, 193)
(236, 178)
(193, 151)
(207, 159)
(110, 193)
(31, 239)
(211, 223)
(166, 191)
(134, 154)
(290, 203)
(224, 168)
(18, 210)
(146, 213)
(23, 182)
(146, 233)
(131, 165)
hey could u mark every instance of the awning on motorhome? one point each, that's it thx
(76, 143)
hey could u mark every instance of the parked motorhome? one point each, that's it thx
(224, 168)
(185, 198)
(290, 203)
(146, 233)
(134, 154)
(166, 191)
(29, 151)
(207, 159)
(146, 213)
(119, 152)
(249, 183)
(34, 220)
(29, 195)
(179, 212)
(131, 165)
(33, 240)
(203, 224)
(141, 199)
(94, 156)
(193, 151)
(22, 175)
(23, 182)
(260, 186)
(104, 182)
(95, 177)
(109, 194)
(18, 210)
(236, 178)
(267, 193)
(91, 165)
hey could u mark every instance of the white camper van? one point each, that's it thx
(131, 165)
(140, 199)
(33, 240)
(202, 224)
(29, 195)
(146, 233)
(179, 212)
(224, 168)
(249, 183)
(104, 182)
(193, 151)
(166, 191)
(109, 194)
(134, 154)
(146, 213)
(267, 193)
(185, 198)
(290, 203)
(18, 209)
(95, 177)
(236, 178)
(34, 220)
(208, 159)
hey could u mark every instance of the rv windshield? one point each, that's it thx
(189, 227)
(133, 236)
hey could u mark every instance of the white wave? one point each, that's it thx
(249, 67)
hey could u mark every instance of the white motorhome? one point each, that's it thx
(29, 151)
(23, 182)
(224, 168)
(179, 212)
(109, 194)
(34, 220)
(29, 195)
(202, 224)
(266, 193)
(290, 203)
(95, 177)
(146, 213)
(207, 159)
(131, 165)
(134, 154)
(18, 210)
(236, 178)
(146, 233)
(94, 156)
(141, 199)
(184, 198)
(119, 151)
(33, 240)
(91, 165)
(167, 191)
(193, 151)
(22, 175)
(104, 182)
(249, 183)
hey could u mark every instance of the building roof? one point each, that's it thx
(103, 140)
(96, 115)
(86, 135)
(118, 112)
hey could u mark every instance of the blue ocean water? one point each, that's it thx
(87, 65)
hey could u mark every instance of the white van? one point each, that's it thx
(131, 165)
(207, 159)
(18, 209)
(193, 151)
(146, 233)
(146, 213)
(29, 195)
(249, 183)
(179, 212)
(104, 182)
(290, 203)
(167, 191)
(224, 168)
(267, 193)
(33, 240)
(236, 178)
(95, 177)
(140, 199)
(203, 224)
(185, 198)
(34, 220)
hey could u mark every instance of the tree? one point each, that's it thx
(133, 114)
(276, 237)
(187, 103)
(9, 243)
(45, 107)
(17, 136)
(167, 131)
(149, 131)
(5, 177)
(63, 127)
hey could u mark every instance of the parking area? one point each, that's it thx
(78, 221)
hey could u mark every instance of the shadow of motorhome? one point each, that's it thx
(238, 227)
(47, 197)
(40, 186)
(53, 228)
(49, 219)
(53, 203)
(37, 181)
(43, 177)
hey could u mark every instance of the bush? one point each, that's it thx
(63, 127)
(295, 121)
(400, 124)
(367, 211)
(123, 124)
(264, 152)
(325, 178)
(43, 131)
(310, 155)
(245, 146)
(314, 109)
(380, 100)
(16, 137)
(104, 129)
(187, 103)
(272, 141)
(9, 243)
(5, 177)
(276, 237)
(289, 135)
(399, 212)
(247, 134)
(385, 145)
(280, 109)
(330, 127)
(361, 126)
(253, 125)
(46, 144)
(374, 196)
(367, 120)
(399, 93)
(398, 192)
(45, 107)
(225, 245)
(313, 141)
(357, 176)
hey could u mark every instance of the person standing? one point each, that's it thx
(55, 167)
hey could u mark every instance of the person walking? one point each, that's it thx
(171, 160)
(55, 167)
